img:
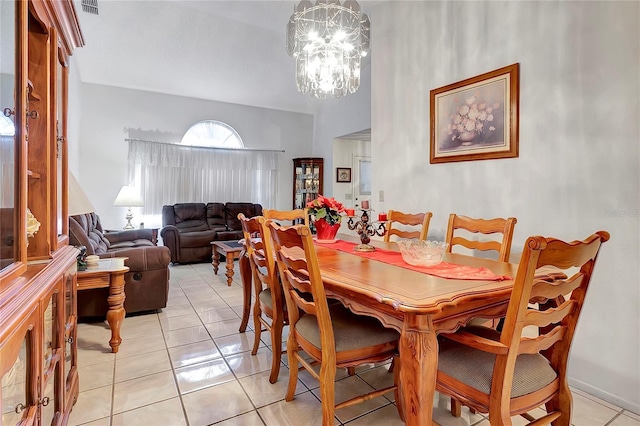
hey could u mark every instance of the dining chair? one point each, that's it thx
(418, 219)
(506, 373)
(269, 310)
(295, 216)
(485, 227)
(331, 335)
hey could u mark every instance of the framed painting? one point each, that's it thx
(343, 174)
(477, 118)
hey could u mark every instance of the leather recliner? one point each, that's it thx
(189, 228)
(146, 283)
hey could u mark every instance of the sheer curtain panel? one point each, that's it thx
(168, 174)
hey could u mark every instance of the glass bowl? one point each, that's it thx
(422, 253)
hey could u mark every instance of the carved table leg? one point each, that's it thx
(230, 257)
(215, 259)
(419, 365)
(116, 312)
(245, 274)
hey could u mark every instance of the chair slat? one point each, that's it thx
(485, 227)
(477, 245)
(550, 316)
(408, 219)
(297, 215)
(550, 290)
(541, 343)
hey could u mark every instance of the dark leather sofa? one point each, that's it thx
(189, 228)
(146, 283)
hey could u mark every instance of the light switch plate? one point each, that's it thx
(381, 195)
(348, 196)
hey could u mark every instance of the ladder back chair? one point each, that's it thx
(331, 335)
(269, 309)
(482, 226)
(418, 219)
(507, 374)
(295, 216)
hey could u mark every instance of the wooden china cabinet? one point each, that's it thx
(307, 180)
(38, 356)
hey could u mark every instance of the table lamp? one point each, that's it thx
(78, 202)
(128, 197)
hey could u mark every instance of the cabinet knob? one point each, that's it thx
(44, 401)
(70, 340)
(32, 114)
(19, 408)
(8, 112)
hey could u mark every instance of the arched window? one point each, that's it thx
(212, 133)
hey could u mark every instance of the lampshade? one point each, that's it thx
(328, 40)
(78, 201)
(128, 197)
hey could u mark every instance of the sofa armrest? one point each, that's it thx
(143, 258)
(115, 237)
(171, 238)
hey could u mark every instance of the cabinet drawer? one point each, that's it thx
(94, 281)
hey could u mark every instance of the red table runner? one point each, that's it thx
(443, 269)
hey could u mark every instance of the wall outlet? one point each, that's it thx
(348, 196)
(381, 195)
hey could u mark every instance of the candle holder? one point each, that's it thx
(365, 229)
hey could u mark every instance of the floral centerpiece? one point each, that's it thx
(325, 213)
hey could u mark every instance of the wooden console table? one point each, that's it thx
(109, 273)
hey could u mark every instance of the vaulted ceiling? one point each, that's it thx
(228, 51)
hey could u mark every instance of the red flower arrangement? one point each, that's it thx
(326, 208)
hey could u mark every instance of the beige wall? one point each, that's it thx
(579, 144)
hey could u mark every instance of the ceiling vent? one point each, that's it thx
(90, 6)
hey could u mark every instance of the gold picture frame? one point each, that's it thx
(476, 118)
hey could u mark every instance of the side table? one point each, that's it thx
(230, 249)
(109, 273)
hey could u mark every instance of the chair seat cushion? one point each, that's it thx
(475, 368)
(351, 332)
(265, 297)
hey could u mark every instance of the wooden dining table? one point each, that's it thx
(418, 305)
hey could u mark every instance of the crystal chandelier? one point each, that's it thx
(328, 40)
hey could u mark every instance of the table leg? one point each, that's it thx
(230, 257)
(215, 261)
(116, 312)
(245, 275)
(419, 366)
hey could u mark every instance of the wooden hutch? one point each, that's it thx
(307, 180)
(38, 354)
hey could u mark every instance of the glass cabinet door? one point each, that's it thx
(70, 333)
(48, 412)
(14, 389)
(8, 217)
(19, 373)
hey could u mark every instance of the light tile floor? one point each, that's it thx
(188, 365)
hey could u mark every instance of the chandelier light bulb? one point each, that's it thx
(328, 39)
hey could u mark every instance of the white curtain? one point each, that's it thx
(168, 174)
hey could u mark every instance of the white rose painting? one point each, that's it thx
(476, 118)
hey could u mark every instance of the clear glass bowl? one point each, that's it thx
(422, 253)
